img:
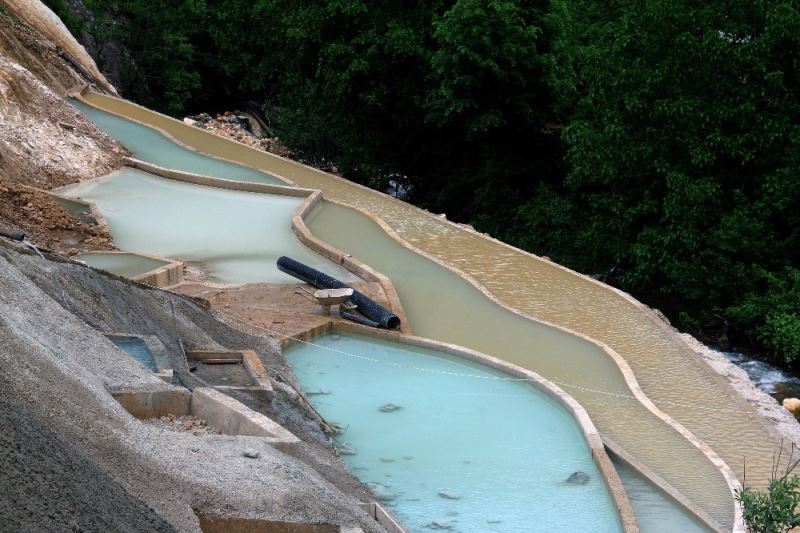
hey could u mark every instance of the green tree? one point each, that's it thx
(682, 148)
(162, 37)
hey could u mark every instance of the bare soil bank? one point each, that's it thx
(45, 222)
(44, 141)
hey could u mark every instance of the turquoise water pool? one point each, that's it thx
(149, 145)
(237, 236)
(446, 451)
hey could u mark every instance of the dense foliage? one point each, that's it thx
(656, 143)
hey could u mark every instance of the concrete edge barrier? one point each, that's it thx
(383, 517)
(164, 371)
(666, 488)
(589, 431)
(222, 413)
(312, 199)
(725, 470)
(171, 273)
(144, 404)
(217, 183)
(231, 417)
(257, 372)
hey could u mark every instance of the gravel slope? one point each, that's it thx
(58, 369)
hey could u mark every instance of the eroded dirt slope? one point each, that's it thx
(24, 45)
(45, 142)
(46, 23)
(45, 222)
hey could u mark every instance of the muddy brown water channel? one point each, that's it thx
(446, 307)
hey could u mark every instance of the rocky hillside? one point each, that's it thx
(43, 21)
(24, 45)
(44, 141)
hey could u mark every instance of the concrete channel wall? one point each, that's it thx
(365, 272)
(332, 253)
(223, 413)
(591, 436)
(304, 235)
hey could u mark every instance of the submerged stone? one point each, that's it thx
(578, 478)
(449, 494)
(440, 525)
(320, 392)
(382, 492)
(346, 449)
(388, 408)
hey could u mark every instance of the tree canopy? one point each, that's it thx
(656, 143)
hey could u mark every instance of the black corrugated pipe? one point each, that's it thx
(366, 306)
(358, 319)
(13, 235)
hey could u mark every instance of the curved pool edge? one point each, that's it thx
(627, 372)
(332, 253)
(621, 454)
(165, 276)
(591, 435)
(86, 89)
(312, 198)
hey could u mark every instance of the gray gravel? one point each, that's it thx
(47, 485)
(59, 368)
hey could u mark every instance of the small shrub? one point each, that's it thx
(781, 333)
(775, 509)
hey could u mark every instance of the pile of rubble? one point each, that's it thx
(196, 426)
(242, 127)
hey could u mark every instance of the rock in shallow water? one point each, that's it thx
(346, 449)
(792, 405)
(440, 525)
(449, 494)
(388, 408)
(578, 478)
(382, 492)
